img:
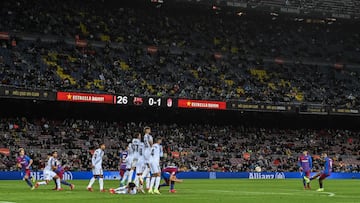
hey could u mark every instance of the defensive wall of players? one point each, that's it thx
(114, 175)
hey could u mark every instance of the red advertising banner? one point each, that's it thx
(81, 43)
(85, 97)
(201, 104)
(5, 151)
(4, 35)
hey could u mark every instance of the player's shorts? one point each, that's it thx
(25, 172)
(140, 166)
(60, 174)
(97, 171)
(155, 167)
(306, 173)
(165, 175)
(49, 175)
(323, 176)
(147, 155)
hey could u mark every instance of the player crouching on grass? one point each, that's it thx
(169, 176)
(60, 172)
(325, 173)
(127, 189)
(49, 173)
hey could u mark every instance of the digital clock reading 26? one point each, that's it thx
(121, 99)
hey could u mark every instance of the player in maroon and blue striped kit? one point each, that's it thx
(169, 175)
(305, 164)
(60, 172)
(325, 173)
(24, 162)
(123, 156)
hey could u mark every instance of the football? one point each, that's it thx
(258, 169)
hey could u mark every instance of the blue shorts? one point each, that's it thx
(165, 175)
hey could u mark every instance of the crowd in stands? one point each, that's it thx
(195, 55)
(197, 147)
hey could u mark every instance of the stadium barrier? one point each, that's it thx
(114, 175)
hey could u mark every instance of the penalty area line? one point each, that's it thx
(330, 194)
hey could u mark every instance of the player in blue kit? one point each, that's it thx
(305, 164)
(325, 173)
(24, 163)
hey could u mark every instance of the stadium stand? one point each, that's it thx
(216, 56)
(199, 147)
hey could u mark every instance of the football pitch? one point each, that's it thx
(220, 190)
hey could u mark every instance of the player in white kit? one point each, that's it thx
(97, 170)
(148, 142)
(156, 153)
(127, 189)
(133, 155)
(49, 173)
(139, 154)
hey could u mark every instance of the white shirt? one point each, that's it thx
(97, 158)
(156, 152)
(147, 139)
(50, 163)
(137, 148)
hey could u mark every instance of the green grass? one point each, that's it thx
(240, 190)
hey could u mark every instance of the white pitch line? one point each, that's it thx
(330, 194)
(6, 202)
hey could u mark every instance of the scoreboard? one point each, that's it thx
(143, 101)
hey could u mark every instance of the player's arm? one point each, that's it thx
(310, 162)
(151, 141)
(53, 164)
(175, 179)
(93, 159)
(161, 151)
(299, 164)
(30, 163)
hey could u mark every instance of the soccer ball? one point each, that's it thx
(258, 169)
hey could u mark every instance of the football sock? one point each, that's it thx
(58, 184)
(172, 185)
(65, 183)
(145, 172)
(101, 183)
(157, 182)
(152, 182)
(321, 184)
(29, 182)
(125, 177)
(162, 185)
(148, 181)
(42, 183)
(130, 177)
(92, 180)
(136, 181)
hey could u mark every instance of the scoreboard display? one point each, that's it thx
(143, 101)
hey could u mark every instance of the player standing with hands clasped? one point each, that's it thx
(305, 164)
(148, 142)
(156, 153)
(97, 170)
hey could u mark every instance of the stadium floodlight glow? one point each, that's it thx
(240, 14)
